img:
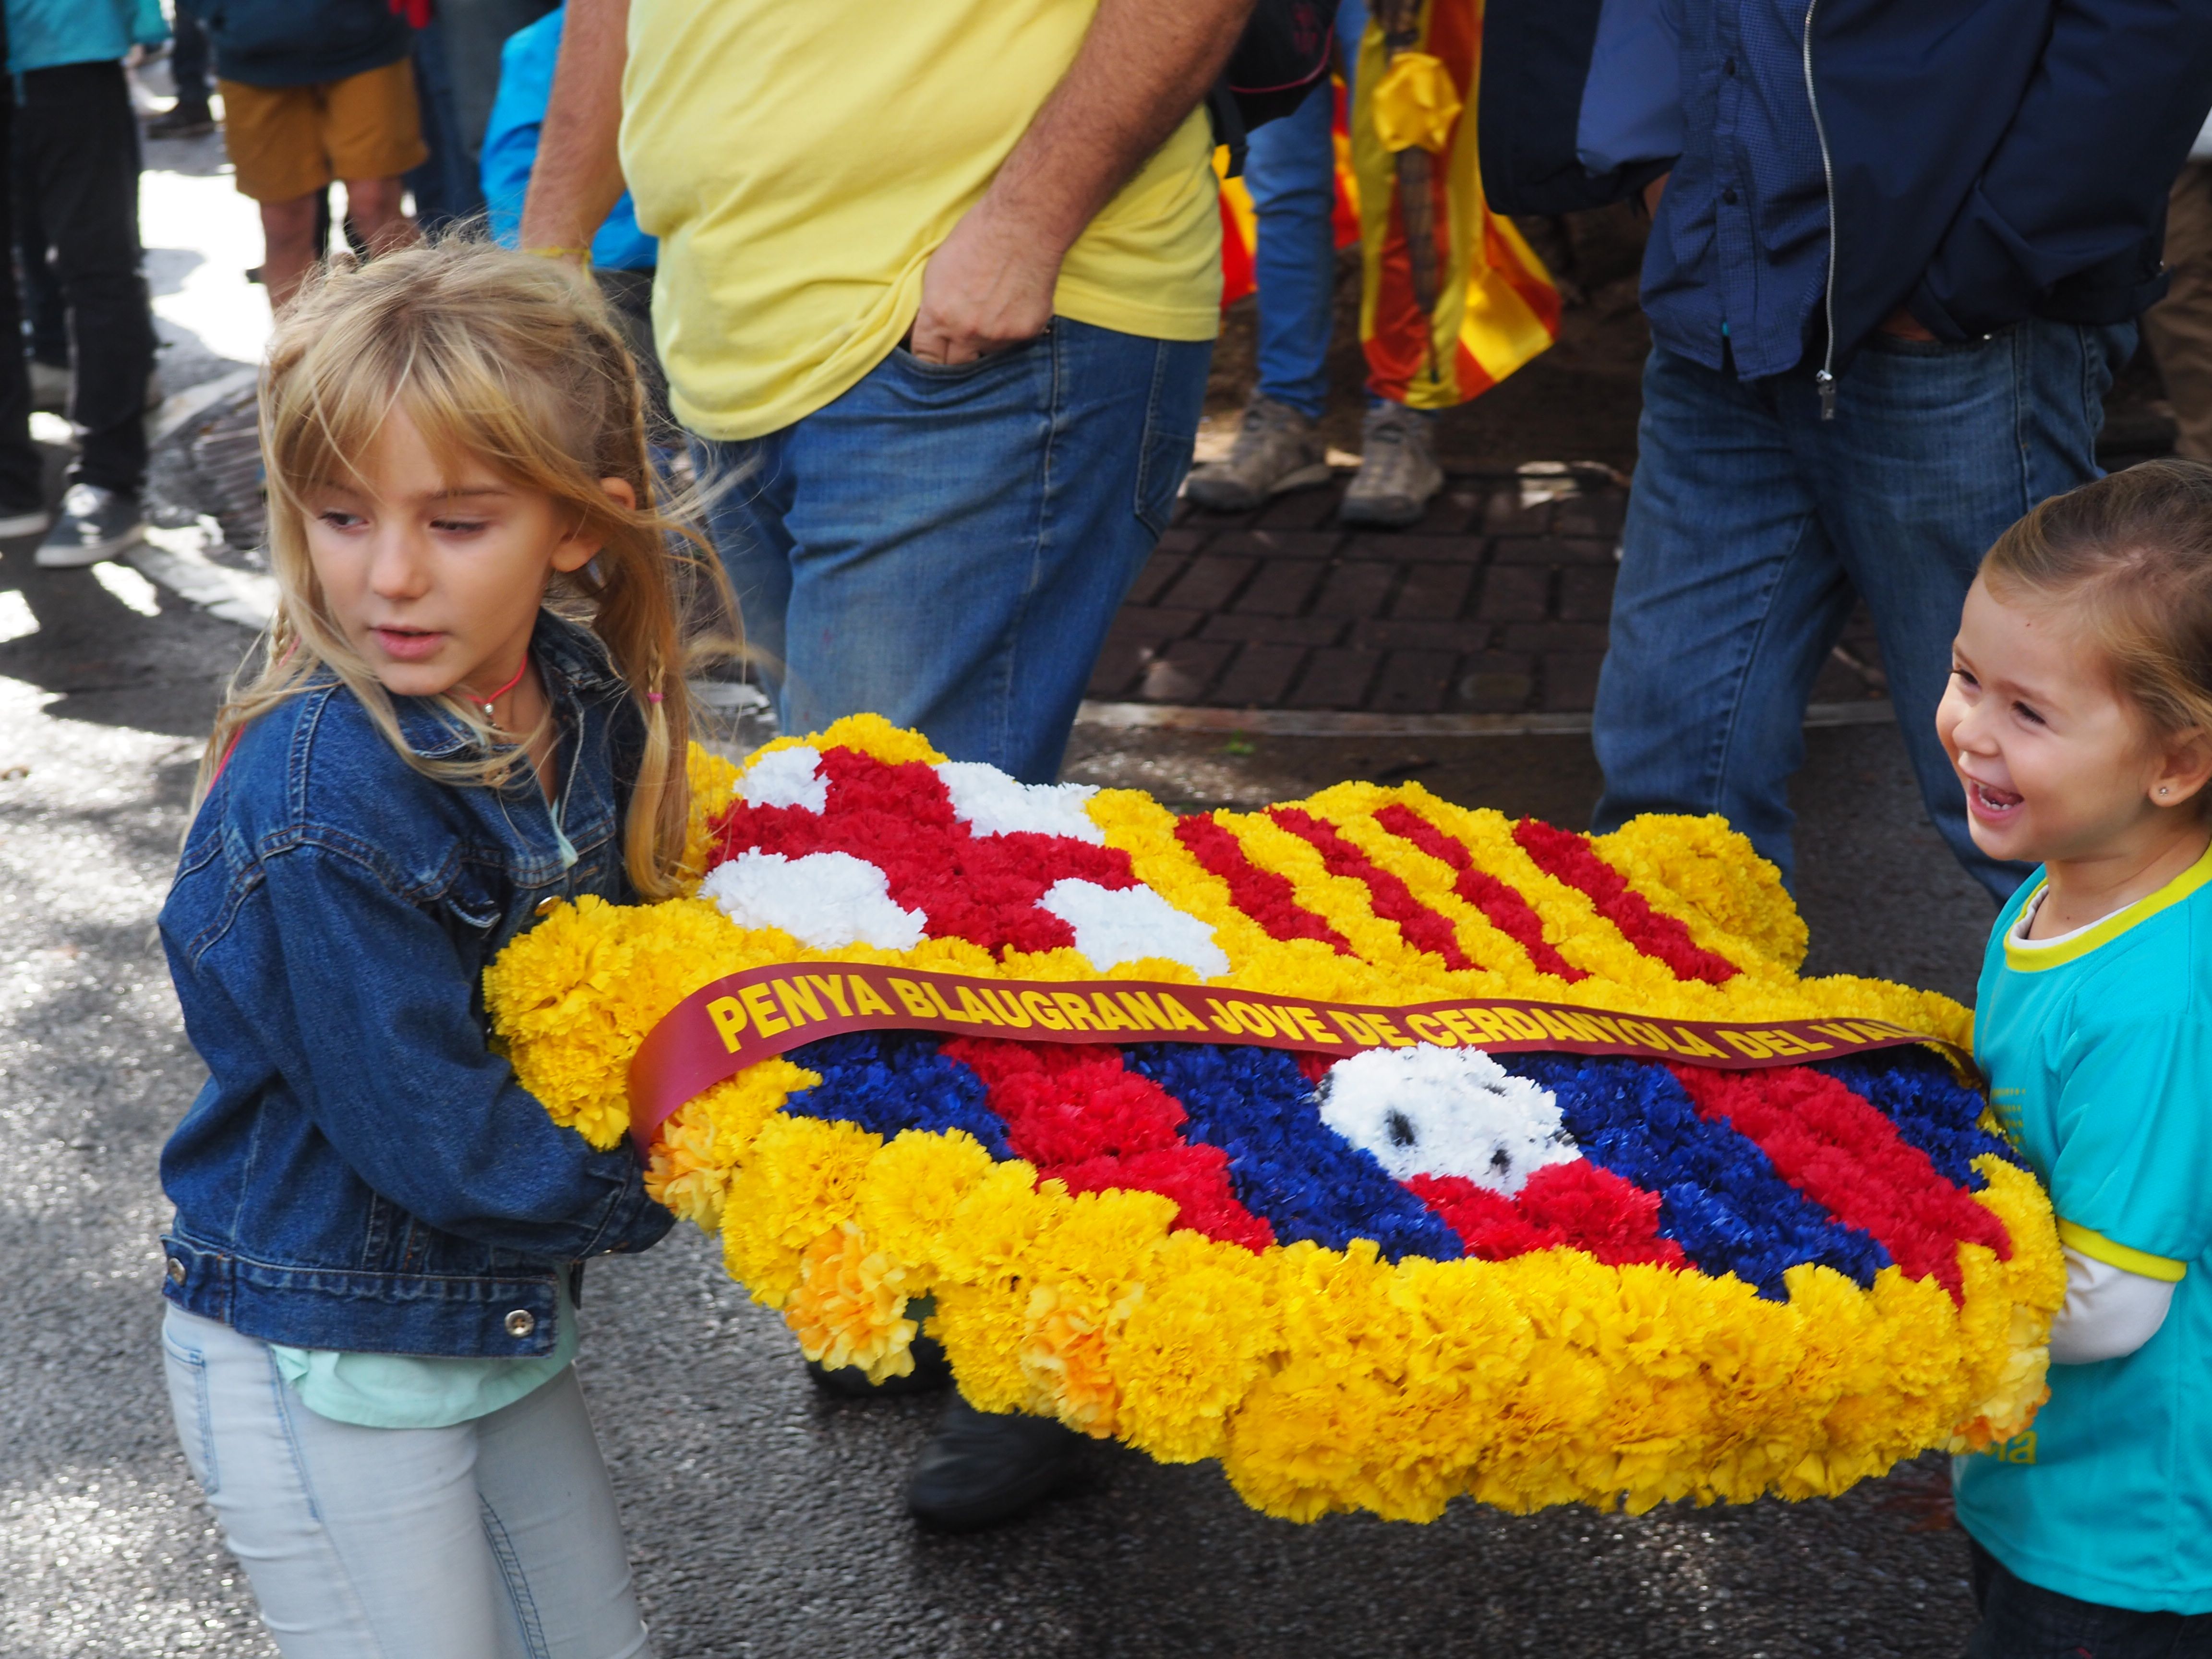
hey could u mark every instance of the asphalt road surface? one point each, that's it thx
(763, 1519)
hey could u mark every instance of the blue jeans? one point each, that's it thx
(2021, 1620)
(494, 1538)
(1290, 170)
(1752, 523)
(947, 546)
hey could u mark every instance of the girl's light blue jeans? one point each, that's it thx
(493, 1538)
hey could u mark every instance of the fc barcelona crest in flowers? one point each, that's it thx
(1382, 1150)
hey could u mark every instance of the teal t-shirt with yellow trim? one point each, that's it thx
(2099, 1051)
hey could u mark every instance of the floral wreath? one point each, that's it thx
(1538, 1225)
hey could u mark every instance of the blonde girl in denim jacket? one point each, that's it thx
(469, 708)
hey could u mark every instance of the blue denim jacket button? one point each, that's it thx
(521, 1322)
(545, 906)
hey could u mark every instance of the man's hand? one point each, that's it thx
(1142, 68)
(985, 289)
(1904, 325)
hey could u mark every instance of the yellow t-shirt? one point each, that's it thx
(800, 162)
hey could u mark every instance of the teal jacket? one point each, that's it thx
(46, 34)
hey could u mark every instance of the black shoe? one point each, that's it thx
(185, 121)
(95, 524)
(981, 1469)
(931, 1373)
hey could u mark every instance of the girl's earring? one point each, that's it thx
(2163, 790)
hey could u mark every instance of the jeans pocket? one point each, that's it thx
(1164, 457)
(1896, 345)
(190, 1404)
(975, 368)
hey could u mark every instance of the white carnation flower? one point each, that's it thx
(1126, 924)
(786, 777)
(993, 804)
(1427, 1111)
(827, 900)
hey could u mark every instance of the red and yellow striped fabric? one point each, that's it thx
(1497, 306)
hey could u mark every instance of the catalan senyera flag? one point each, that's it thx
(1495, 307)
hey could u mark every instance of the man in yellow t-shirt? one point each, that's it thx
(939, 283)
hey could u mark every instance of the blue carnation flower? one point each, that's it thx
(887, 1081)
(1720, 1197)
(1284, 1162)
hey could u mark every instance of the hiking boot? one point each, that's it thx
(95, 524)
(185, 121)
(1398, 472)
(1278, 449)
(981, 1469)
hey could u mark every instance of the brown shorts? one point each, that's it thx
(289, 142)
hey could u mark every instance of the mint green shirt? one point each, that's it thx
(2098, 1052)
(418, 1391)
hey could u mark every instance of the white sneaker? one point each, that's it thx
(13, 525)
(95, 524)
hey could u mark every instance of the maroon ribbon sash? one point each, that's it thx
(741, 1020)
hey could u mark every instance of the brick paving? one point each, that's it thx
(1496, 603)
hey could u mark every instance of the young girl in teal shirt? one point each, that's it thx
(2079, 719)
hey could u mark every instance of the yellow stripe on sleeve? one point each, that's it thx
(2098, 1248)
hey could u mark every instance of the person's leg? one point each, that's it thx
(1290, 170)
(80, 148)
(1934, 450)
(190, 115)
(22, 483)
(274, 135)
(188, 61)
(372, 134)
(1729, 598)
(291, 241)
(360, 1543)
(549, 1511)
(960, 537)
(2021, 1620)
(475, 32)
(748, 489)
(2179, 326)
(377, 211)
(446, 187)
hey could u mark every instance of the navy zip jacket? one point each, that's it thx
(1981, 162)
(362, 1171)
(298, 43)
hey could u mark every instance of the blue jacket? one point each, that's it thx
(48, 34)
(526, 62)
(298, 43)
(1992, 160)
(362, 1172)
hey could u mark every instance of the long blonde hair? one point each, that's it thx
(515, 361)
(2128, 559)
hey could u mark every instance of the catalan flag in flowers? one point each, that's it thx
(1452, 298)
(1383, 1149)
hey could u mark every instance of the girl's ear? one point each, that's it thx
(2184, 767)
(580, 549)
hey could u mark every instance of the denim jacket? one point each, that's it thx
(362, 1171)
